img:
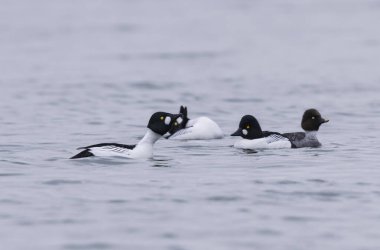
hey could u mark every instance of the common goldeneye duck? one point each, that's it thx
(201, 128)
(159, 124)
(254, 138)
(311, 121)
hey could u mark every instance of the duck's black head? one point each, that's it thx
(249, 128)
(312, 120)
(180, 122)
(161, 122)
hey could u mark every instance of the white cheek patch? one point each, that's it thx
(179, 120)
(245, 132)
(168, 120)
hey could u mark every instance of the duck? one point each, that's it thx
(159, 124)
(254, 138)
(311, 121)
(201, 128)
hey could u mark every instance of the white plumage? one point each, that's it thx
(271, 142)
(201, 128)
(143, 149)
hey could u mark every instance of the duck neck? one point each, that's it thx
(150, 137)
(311, 134)
(255, 134)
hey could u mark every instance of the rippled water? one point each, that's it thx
(75, 73)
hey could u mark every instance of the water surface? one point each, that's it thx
(75, 73)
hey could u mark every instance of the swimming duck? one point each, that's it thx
(201, 128)
(254, 138)
(311, 121)
(159, 124)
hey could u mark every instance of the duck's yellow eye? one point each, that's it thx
(162, 118)
(248, 126)
(175, 123)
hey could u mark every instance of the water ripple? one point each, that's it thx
(10, 174)
(149, 85)
(62, 182)
(89, 246)
(224, 198)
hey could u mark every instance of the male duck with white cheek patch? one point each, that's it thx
(201, 128)
(254, 138)
(311, 121)
(159, 124)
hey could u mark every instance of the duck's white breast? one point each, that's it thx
(261, 143)
(251, 144)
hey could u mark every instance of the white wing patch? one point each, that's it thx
(110, 149)
(275, 138)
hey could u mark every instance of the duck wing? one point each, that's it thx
(297, 136)
(111, 145)
(116, 147)
(181, 132)
(274, 136)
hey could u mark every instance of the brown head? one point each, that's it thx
(312, 120)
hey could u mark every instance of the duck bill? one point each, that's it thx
(238, 132)
(323, 120)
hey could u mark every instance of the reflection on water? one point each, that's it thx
(161, 162)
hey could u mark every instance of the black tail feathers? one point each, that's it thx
(83, 154)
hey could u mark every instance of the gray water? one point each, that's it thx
(74, 73)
